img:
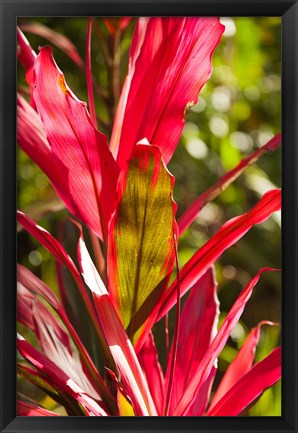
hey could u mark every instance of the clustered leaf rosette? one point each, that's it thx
(122, 191)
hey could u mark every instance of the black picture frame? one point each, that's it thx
(10, 10)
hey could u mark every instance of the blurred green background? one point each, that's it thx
(239, 110)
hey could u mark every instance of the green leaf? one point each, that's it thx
(141, 250)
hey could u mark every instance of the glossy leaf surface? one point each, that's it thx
(262, 375)
(58, 377)
(89, 168)
(240, 365)
(58, 39)
(198, 326)
(226, 236)
(148, 357)
(216, 346)
(151, 106)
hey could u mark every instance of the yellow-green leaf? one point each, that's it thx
(125, 408)
(141, 238)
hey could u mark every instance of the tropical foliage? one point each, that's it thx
(90, 342)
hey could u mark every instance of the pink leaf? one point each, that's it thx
(32, 139)
(216, 346)
(89, 168)
(36, 286)
(28, 287)
(52, 245)
(58, 377)
(49, 242)
(240, 365)
(261, 376)
(192, 212)
(131, 375)
(28, 409)
(30, 309)
(197, 329)
(58, 39)
(148, 357)
(55, 348)
(26, 55)
(226, 236)
(170, 61)
(200, 402)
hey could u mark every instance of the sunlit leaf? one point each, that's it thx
(202, 372)
(197, 329)
(262, 375)
(58, 39)
(130, 373)
(125, 408)
(240, 365)
(58, 377)
(226, 236)
(28, 409)
(141, 242)
(148, 357)
(170, 61)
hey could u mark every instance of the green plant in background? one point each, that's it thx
(237, 114)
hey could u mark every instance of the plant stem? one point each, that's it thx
(116, 68)
(167, 337)
(175, 338)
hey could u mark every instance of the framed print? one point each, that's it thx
(148, 218)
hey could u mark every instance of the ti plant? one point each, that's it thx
(120, 194)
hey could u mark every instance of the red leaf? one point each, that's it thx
(29, 283)
(170, 61)
(58, 377)
(226, 236)
(198, 326)
(36, 286)
(30, 309)
(240, 365)
(89, 169)
(131, 375)
(148, 357)
(32, 139)
(202, 372)
(52, 245)
(55, 348)
(200, 402)
(262, 375)
(49, 242)
(28, 409)
(26, 55)
(192, 212)
(58, 39)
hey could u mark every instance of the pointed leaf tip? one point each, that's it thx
(170, 61)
